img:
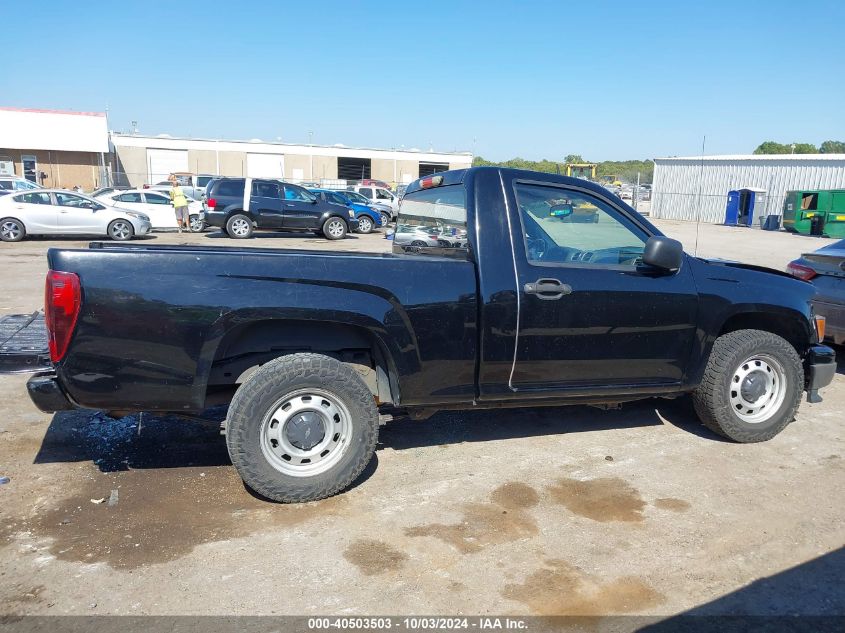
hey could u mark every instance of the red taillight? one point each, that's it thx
(62, 300)
(802, 272)
(211, 203)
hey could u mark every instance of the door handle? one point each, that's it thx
(548, 289)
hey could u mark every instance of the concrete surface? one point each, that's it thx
(556, 511)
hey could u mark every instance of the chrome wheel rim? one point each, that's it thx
(757, 388)
(120, 230)
(306, 433)
(196, 223)
(385, 219)
(10, 230)
(365, 225)
(240, 227)
(335, 228)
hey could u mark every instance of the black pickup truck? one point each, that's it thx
(520, 304)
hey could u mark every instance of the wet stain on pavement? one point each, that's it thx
(670, 503)
(604, 499)
(483, 524)
(159, 515)
(561, 589)
(373, 557)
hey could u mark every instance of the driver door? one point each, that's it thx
(591, 315)
(300, 210)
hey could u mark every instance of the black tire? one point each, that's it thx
(366, 224)
(385, 220)
(12, 230)
(334, 228)
(121, 230)
(720, 384)
(239, 227)
(265, 391)
(195, 224)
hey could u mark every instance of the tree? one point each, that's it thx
(832, 147)
(574, 158)
(773, 147)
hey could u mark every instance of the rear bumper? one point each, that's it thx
(215, 218)
(46, 394)
(819, 369)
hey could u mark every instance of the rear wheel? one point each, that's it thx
(302, 428)
(751, 387)
(12, 230)
(365, 224)
(239, 227)
(334, 229)
(121, 230)
(385, 220)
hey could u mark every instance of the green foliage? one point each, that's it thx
(773, 147)
(832, 147)
(625, 170)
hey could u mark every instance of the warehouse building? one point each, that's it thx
(150, 159)
(697, 188)
(54, 148)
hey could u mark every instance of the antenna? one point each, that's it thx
(700, 185)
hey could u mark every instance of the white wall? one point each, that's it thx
(51, 130)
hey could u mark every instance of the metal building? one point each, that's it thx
(150, 159)
(696, 187)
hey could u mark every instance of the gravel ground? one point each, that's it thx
(554, 511)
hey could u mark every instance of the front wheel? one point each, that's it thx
(121, 230)
(12, 230)
(365, 224)
(239, 227)
(301, 428)
(334, 229)
(751, 387)
(385, 220)
(197, 225)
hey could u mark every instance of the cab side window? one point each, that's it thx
(566, 226)
(297, 193)
(432, 219)
(381, 194)
(130, 197)
(156, 199)
(34, 198)
(265, 189)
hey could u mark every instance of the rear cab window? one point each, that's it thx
(433, 221)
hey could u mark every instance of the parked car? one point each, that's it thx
(241, 205)
(193, 185)
(385, 209)
(368, 217)
(156, 205)
(534, 313)
(103, 191)
(825, 269)
(8, 184)
(381, 195)
(60, 212)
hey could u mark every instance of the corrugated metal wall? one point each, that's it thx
(696, 189)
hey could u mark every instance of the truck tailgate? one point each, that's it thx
(23, 343)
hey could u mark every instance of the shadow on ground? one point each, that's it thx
(812, 591)
(147, 441)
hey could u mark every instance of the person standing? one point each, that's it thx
(180, 204)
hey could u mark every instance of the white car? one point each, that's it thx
(378, 195)
(156, 205)
(60, 212)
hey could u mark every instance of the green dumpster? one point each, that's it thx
(815, 212)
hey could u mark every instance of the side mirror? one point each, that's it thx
(664, 253)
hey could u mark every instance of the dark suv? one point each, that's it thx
(241, 205)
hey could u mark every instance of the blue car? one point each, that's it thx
(368, 218)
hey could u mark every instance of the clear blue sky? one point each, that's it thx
(609, 80)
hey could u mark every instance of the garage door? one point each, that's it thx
(163, 162)
(265, 165)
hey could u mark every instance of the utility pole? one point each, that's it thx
(637, 192)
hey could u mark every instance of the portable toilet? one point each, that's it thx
(741, 205)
